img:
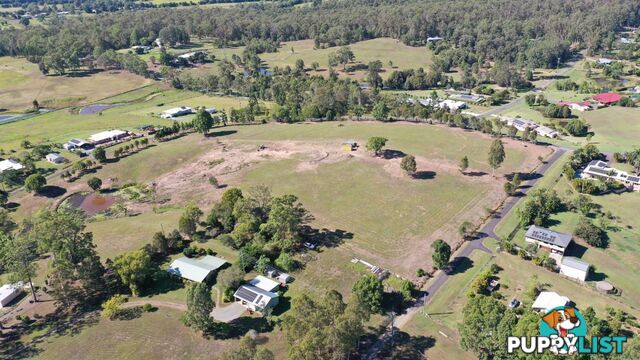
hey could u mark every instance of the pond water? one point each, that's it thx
(92, 203)
(96, 108)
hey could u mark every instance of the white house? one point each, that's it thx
(598, 169)
(605, 61)
(574, 268)
(8, 292)
(264, 283)
(452, 105)
(190, 55)
(255, 299)
(548, 300)
(176, 112)
(198, 270)
(76, 144)
(10, 164)
(546, 131)
(108, 136)
(55, 158)
(554, 242)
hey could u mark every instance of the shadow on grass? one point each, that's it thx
(221, 133)
(326, 237)
(163, 282)
(460, 265)
(52, 191)
(392, 154)
(424, 175)
(405, 346)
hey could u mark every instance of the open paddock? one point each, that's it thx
(21, 82)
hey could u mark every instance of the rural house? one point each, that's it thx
(574, 268)
(198, 270)
(55, 158)
(605, 99)
(10, 164)
(176, 112)
(108, 136)
(265, 283)
(554, 242)
(598, 169)
(255, 299)
(74, 144)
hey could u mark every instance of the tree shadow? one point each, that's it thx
(240, 326)
(52, 191)
(163, 282)
(595, 275)
(221, 133)
(392, 154)
(405, 346)
(459, 265)
(424, 175)
(12, 206)
(475, 173)
(325, 237)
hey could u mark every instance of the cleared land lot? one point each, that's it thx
(386, 50)
(21, 82)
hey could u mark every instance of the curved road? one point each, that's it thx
(487, 231)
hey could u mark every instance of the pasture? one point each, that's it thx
(21, 82)
(616, 128)
(393, 54)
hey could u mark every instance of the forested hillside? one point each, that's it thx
(533, 33)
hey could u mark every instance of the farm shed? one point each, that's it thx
(574, 268)
(198, 270)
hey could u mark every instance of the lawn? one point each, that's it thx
(117, 236)
(386, 50)
(616, 128)
(21, 82)
(153, 335)
(517, 273)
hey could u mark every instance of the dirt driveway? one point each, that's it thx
(229, 312)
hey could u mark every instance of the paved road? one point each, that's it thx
(488, 230)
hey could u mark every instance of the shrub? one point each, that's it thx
(590, 233)
(147, 307)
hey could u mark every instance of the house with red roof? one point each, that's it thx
(607, 98)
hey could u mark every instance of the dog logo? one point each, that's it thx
(566, 323)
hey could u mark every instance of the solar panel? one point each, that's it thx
(599, 171)
(246, 294)
(634, 179)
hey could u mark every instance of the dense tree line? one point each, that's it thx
(537, 34)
